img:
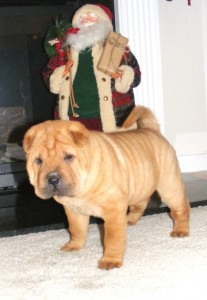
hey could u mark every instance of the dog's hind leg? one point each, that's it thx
(181, 222)
(136, 211)
(172, 192)
(78, 229)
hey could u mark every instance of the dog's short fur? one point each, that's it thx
(106, 175)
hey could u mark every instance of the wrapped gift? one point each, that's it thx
(112, 54)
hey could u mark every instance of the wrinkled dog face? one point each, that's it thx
(56, 163)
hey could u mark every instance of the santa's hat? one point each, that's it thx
(99, 10)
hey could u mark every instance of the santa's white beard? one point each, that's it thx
(87, 36)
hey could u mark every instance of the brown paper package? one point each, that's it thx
(112, 54)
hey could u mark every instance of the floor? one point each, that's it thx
(196, 185)
(196, 189)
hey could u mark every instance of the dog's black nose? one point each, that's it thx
(53, 179)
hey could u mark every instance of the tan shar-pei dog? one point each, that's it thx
(108, 175)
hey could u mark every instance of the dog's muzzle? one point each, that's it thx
(53, 180)
(54, 186)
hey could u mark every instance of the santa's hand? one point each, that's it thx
(67, 67)
(117, 74)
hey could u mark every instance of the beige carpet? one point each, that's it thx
(156, 266)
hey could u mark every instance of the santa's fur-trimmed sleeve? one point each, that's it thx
(56, 79)
(123, 84)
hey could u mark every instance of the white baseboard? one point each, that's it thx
(192, 163)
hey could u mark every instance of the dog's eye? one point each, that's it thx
(38, 161)
(68, 157)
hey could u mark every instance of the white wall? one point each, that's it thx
(183, 73)
(174, 39)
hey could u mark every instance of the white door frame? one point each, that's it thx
(139, 21)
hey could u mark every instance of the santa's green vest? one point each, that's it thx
(85, 87)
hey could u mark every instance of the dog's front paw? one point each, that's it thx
(109, 265)
(71, 246)
(179, 233)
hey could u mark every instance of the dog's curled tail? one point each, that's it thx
(144, 118)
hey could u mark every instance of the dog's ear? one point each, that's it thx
(28, 139)
(78, 132)
(33, 134)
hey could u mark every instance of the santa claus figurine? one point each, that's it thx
(99, 101)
